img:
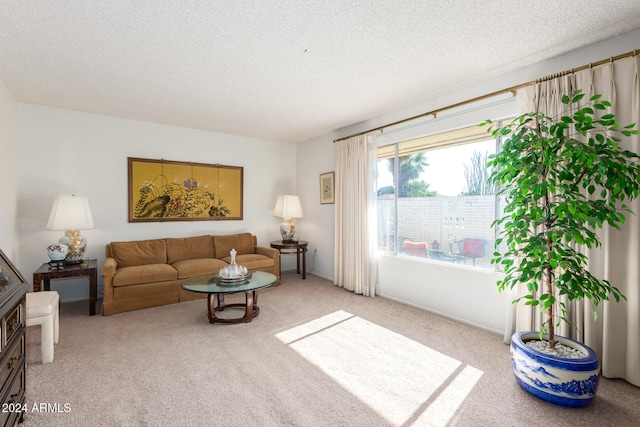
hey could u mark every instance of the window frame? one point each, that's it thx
(431, 130)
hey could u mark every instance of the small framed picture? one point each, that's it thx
(327, 186)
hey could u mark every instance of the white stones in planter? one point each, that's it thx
(560, 350)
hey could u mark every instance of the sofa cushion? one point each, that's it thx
(252, 261)
(144, 274)
(139, 252)
(189, 248)
(243, 243)
(195, 267)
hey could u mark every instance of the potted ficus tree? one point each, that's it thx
(563, 178)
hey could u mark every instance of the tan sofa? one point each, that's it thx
(147, 273)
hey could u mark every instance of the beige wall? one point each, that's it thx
(65, 152)
(8, 172)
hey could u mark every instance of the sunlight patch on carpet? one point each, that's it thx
(401, 379)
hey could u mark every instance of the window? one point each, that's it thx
(434, 201)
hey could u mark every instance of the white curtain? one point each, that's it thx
(356, 266)
(615, 336)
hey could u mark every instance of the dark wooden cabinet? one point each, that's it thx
(13, 289)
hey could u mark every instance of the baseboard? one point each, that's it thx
(293, 270)
(445, 315)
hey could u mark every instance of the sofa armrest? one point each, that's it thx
(275, 255)
(270, 252)
(108, 271)
(109, 267)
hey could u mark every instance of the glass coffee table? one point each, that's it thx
(215, 289)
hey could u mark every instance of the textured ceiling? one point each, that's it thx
(284, 70)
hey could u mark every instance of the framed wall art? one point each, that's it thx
(327, 187)
(165, 190)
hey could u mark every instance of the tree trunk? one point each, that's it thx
(550, 322)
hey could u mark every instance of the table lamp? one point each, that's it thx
(72, 214)
(288, 207)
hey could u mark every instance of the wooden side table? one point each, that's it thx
(88, 268)
(298, 248)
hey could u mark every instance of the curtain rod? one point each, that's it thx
(511, 89)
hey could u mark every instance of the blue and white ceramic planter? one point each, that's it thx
(561, 381)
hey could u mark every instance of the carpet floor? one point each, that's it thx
(316, 355)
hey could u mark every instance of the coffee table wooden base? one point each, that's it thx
(216, 303)
(210, 284)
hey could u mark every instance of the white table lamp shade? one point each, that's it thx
(70, 213)
(288, 206)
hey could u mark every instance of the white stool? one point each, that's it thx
(42, 309)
